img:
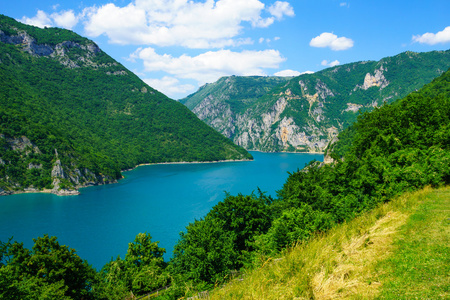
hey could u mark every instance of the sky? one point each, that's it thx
(176, 46)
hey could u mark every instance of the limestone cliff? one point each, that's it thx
(304, 113)
(63, 179)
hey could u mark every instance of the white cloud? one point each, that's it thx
(40, 20)
(170, 86)
(432, 39)
(208, 24)
(342, 4)
(65, 19)
(286, 73)
(280, 9)
(332, 41)
(291, 73)
(330, 64)
(210, 66)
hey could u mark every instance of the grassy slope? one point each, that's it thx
(420, 266)
(400, 250)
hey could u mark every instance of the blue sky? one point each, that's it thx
(178, 45)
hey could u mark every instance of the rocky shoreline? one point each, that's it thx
(187, 162)
(69, 192)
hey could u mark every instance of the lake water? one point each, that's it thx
(159, 199)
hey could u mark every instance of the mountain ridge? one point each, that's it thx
(306, 112)
(84, 117)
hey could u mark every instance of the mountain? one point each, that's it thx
(72, 116)
(356, 227)
(394, 150)
(230, 95)
(303, 114)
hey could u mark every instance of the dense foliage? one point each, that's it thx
(48, 271)
(142, 271)
(311, 108)
(396, 148)
(239, 92)
(99, 117)
(220, 242)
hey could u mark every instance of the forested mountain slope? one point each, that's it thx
(306, 112)
(71, 116)
(395, 149)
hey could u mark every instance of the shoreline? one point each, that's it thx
(77, 192)
(185, 163)
(309, 152)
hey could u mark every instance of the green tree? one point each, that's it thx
(143, 270)
(244, 216)
(293, 226)
(48, 270)
(205, 252)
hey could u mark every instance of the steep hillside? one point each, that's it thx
(347, 229)
(398, 251)
(306, 112)
(396, 148)
(71, 116)
(219, 103)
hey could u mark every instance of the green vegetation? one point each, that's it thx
(394, 149)
(238, 92)
(420, 263)
(99, 117)
(142, 271)
(399, 250)
(387, 154)
(316, 105)
(48, 271)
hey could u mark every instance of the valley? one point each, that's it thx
(305, 113)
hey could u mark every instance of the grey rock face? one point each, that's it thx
(59, 51)
(305, 113)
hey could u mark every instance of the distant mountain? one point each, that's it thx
(71, 116)
(304, 113)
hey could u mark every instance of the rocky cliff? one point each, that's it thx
(304, 113)
(20, 153)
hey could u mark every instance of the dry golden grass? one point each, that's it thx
(341, 264)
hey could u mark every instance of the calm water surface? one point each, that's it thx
(158, 199)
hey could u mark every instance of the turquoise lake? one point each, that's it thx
(159, 199)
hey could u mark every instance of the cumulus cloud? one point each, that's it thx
(433, 38)
(332, 41)
(209, 24)
(210, 66)
(40, 20)
(64, 19)
(280, 9)
(287, 73)
(330, 64)
(262, 40)
(170, 86)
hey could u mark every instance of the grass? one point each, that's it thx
(398, 250)
(420, 266)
